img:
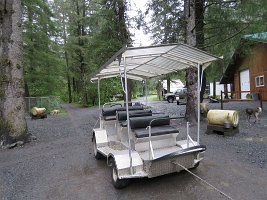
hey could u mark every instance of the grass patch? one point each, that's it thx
(78, 105)
(63, 112)
(153, 98)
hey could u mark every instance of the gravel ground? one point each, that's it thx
(60, 164)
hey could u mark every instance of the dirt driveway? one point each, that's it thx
(60, 164)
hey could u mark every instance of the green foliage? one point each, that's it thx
(41, 61)
(166, 25)
(226, 23)
(66, 41)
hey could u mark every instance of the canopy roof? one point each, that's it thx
(151, 61)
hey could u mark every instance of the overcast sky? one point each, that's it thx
(140, 39)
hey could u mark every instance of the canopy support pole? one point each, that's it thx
(99, 102)
(198, 101)
(127, 113)
(146, 90)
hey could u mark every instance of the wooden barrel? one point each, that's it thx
(219, 117)
(38, 112)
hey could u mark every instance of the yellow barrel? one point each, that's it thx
(218, 117)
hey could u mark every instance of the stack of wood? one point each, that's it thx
(38, 113)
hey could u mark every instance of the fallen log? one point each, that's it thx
(38, 112)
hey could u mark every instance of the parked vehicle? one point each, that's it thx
(179, 95)
(135, 141)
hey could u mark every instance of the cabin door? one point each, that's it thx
(244, 83)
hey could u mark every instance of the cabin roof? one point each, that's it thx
(251, 39)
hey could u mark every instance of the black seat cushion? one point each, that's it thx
(122, 115)
(155, 131)
(143, 122)
(111, 111)
(109, 118)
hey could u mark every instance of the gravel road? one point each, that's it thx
(59, 164)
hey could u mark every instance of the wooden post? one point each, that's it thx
(260, 101)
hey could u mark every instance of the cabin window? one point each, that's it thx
(259, 81)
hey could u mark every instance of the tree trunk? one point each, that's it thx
(214, 89)
(191, 72)
(66, 56)
(189, 12)
(191, 84)
(225, 87)
(200, 39)
(13, 125)
(69, 88)
(73, 85)
(203, 86)
(194, 17)
(80, 11)
(27, 93)
(123, 33)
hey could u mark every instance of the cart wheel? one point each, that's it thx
(196, 166)
(96, 153)
(170, 99)
(117, 183)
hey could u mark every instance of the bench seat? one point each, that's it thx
(109, 113)
(155, 131)
(122, 115)
(109, 118)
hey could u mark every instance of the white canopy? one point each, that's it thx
(151, 61)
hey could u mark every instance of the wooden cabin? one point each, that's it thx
(248, 69)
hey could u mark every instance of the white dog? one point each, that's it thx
(54, 112)
(255, 112)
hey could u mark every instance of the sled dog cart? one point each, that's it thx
(135, 141)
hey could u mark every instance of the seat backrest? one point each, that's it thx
(143, 122)
(122, 115)
(111, 111)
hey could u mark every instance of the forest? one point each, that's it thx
(65, 41)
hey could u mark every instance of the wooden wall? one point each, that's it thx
(256, 61)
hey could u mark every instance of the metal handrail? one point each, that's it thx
(150, 147)
(189, 139)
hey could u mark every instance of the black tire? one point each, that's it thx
(97, 155)
(170, 99)
(178, 103)
(117, 183)
(196, 166)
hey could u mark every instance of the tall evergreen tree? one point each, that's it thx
(166, 24)
(12, 106)
(42, 65)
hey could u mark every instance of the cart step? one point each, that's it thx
(114, 150)
(183, 143)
